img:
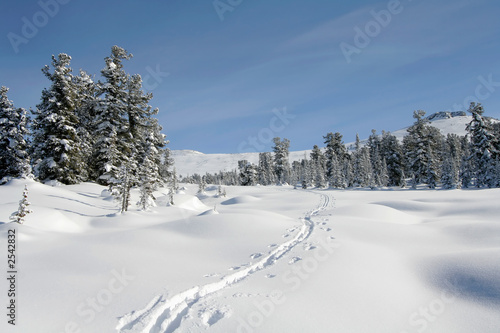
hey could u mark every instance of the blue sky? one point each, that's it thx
(226, 80)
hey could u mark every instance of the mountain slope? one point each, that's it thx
(189, 162)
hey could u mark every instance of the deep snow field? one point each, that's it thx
(267, 259)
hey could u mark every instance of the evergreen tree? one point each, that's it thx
(266, 169)
(452, 156)
(335, 156)
(248, 173)
(14, 159)
(483, 150)
(393, 155)
(281, 163)
(201, 185)
(56, 144)
(421, 146)
(318, 167)
(23, 209)
(466, 167)
(361, 166)
(113, 138)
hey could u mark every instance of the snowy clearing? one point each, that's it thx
(267, 259)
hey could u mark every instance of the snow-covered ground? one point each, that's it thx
(189, 162)
(263, 259)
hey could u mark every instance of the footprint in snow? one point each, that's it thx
(272, 245)
(294, 260)
(211, 316)
(270, 276)
(234, 268)
(309, 246)
(285, 235)
(210, 275)
(256, 255)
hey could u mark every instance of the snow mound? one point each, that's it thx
(242, 199)
(190, 202)
(378, 212)
(47, 219)
(209, 212)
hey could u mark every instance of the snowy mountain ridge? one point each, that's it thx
(189, 162)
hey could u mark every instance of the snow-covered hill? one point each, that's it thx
(189, 162)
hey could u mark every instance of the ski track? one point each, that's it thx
(163, 315)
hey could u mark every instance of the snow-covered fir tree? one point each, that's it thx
(318, 167)
(421, 146)
(452, 158)
(14, 158)
(361, 166)
(466, 167)
(57, 153)
(202, 184)
(23, 210)
(86, 102)
(483, 150)
(266, 169)
(112, 134)
(393, 155)
(379, 167)
(281, 163)
(335, 157)
(248, 173)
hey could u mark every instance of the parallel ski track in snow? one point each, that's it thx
(164, 315)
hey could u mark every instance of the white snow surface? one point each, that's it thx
(273, 259)
(189, 162)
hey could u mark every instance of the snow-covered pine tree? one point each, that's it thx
(335, 157)
(392, 152)
(450, 167)
(14, 158)
(86, 103)
(422, 147)
(266, 169)
(466, 167)
(142, 124)
(281, 163)
(202, 185)
(23, 210)
(376, 159)
(112, 134)
(483, 149)
(361, 166)
(248, 173)
(149, 176)
(57, 153)
(167, 163)
(318, 166)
